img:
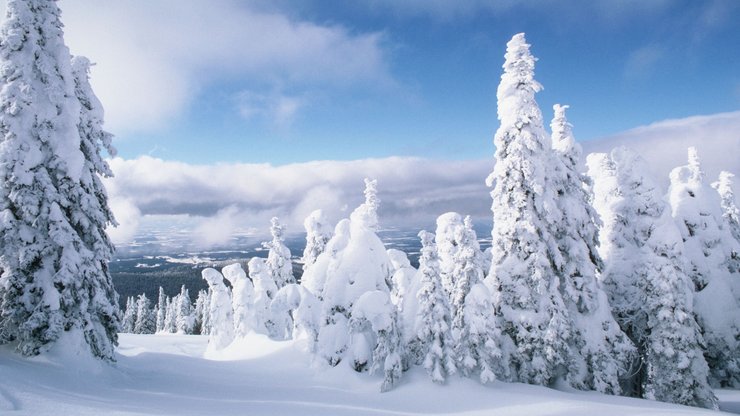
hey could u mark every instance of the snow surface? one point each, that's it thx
(167, 375)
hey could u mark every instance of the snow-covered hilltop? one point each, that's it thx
(595, 281)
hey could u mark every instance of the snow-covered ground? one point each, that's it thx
(168, 375)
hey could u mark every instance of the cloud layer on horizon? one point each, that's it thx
(223, 199)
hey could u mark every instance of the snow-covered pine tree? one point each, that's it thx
(220, 314)
(278, 261)
(184, 314)
(603, 352)
(170, 315)
(523, 275)
(145, 320)
(161, 309)
(374, 311)
(730, 210)
(202, 302)
(242, 298)
(53, 209)
(303, 308)
(449, 226)
(473, 328)
(402, 278)
(433, 342)
(709, 248)
(264, 291)
(650, 293)
(731, 218)
(354, 262)
(318, 233)
(129, 316)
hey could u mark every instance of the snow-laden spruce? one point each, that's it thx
(354, 262)
(129, 316)
(709, 248)
(524, 279)
(432, 343)
(445, 238)
(53, 209)
(730, 210)
(202, 323)
(294, 303)
(278, 263)
(220, 313)
(242, 298)
(602, 352)
(649, 290)
(145, 320)
(264, 290)
(161, 310)
(402, 277)
(318, 233)
(183, 312)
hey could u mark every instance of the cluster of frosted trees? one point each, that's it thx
(597, 280)
(173, 315)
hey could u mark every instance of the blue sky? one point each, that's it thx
(422, 77)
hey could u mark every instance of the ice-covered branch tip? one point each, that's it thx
(367, 213)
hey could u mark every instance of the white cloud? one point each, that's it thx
(153, 57)
(664, 144)
(225, 198)
(276, 108)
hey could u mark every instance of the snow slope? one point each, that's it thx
(166, 375)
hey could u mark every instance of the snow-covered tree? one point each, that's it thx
(603, 352)
(129, 316)
(170, 315)
(523, 276)
(297, 304)
(318, 233)
(278, 261)
(433, 340)
(145, 320)
(708, 248)
(354, 262)
(183, 313)
(730, 210)
(474, 328)
(242, 298)
(373, 311)
(53, 209)
(161, 309)
(644, 276)
(264, 290)
(202, 321)
(402, 278)
(220, 314)
(449, 227)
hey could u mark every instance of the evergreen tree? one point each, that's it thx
(242, 297)
(650, 292)
(161, 309)
(145, 321)
(524, 269)
(474, 329)
(278, 262)
(220, 314)
(202, 302)
(433, 318)
(402, 278)
(318, 233)
(354, 262)
(602, 351)
(449, 226)
(129, 316)
(265, 290)
(170, 315)
(708, 249)
(183, 315)
(730, 210)
(53, 208)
